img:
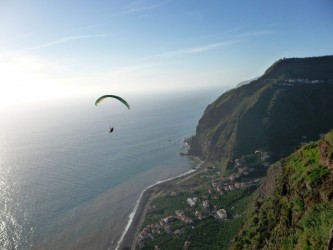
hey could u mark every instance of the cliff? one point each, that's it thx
(288, 105)
(293, 208)
(311, 68)
(286, 109)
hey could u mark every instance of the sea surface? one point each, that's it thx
(67, 183)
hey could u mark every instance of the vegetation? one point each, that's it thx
(273, 116)
(254, 115)
(293, 209)
(203, 234)
(207, 230)
(309, 68)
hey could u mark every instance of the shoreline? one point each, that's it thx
(128, 238)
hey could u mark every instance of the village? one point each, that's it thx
(203, 201)
(291, 82)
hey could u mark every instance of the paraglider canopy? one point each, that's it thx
(115, 97)
(112, 96)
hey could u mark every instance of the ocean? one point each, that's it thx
(67, 183)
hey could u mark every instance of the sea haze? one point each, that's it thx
(65, 182)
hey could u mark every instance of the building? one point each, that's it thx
(222, 214)
(205, 204)
(180, 213)
(237, 185)
(191, 202)
(232, 177)
(187, 244)
(178, 232)
(168, 219)
(188, 220)
(198, 215)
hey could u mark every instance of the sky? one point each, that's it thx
(62, 48)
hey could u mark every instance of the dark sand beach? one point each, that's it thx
(129, 240)
(130, 236)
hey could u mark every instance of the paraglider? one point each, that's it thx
(115, 97)
(112, 96)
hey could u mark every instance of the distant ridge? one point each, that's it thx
(246, 82)
(288, 105)
(311, 68)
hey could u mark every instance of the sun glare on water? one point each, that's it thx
(24, 79)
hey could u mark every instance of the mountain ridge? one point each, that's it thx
(283, 113)
(268, 114)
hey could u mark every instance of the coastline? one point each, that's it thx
(128, 238)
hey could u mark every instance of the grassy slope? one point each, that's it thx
(293, 209)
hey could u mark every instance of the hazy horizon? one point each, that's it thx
(57, 49)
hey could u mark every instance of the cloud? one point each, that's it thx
(67, 39)
(198, 49)
(257, 33)
(137, 77)
(87, 27)
(140, 6)
(133, 68)
(203, 48)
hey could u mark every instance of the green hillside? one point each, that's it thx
(293, 208)
(288, 105)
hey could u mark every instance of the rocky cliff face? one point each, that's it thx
(288, 105)
(293, 208)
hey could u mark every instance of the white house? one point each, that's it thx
(205, 204)
(180, 213)
(191, 202)
(222, 214)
